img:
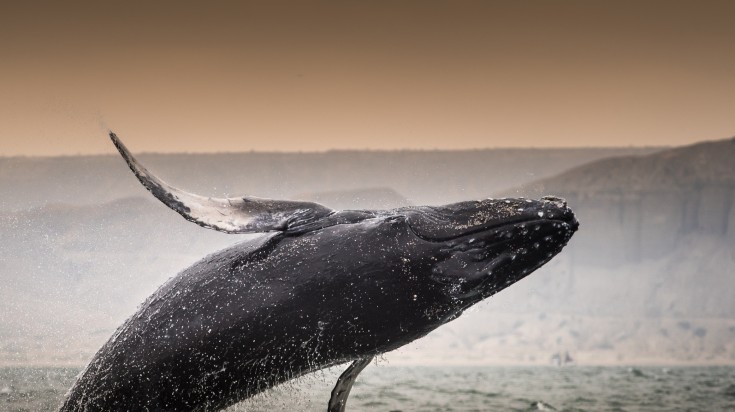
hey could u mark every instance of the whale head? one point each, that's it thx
(482, 247)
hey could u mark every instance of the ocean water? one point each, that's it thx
(422, 388)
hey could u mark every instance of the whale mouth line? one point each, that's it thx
(570, 225)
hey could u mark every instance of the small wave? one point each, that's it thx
(729, 391)
(541, 406)
(582, 399)
(373, 404)
(637, 373)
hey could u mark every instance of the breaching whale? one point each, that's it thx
(319, 288)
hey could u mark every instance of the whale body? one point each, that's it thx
(318, 288)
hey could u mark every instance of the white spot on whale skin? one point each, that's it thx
(540, 214)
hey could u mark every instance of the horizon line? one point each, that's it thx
(340, 150)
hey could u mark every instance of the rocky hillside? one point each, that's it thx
(649, 277)
(637, 208)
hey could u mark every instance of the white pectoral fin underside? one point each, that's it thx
(246, 214)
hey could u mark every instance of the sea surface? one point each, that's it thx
(422, 388)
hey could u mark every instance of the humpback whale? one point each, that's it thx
(318, 288)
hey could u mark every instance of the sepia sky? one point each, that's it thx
(185, 76)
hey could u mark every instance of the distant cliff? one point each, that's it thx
(649, 277)
(635, 208)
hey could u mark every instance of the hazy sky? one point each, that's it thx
(307, 75)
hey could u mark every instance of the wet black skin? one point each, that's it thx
(352, 285)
